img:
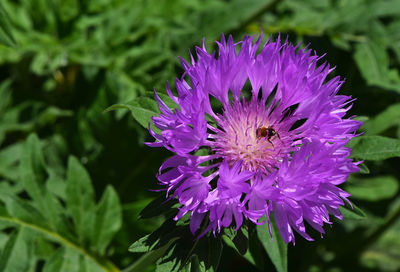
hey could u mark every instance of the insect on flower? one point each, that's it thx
(267, 132)
(285, 157)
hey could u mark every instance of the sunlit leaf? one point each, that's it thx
(374, 147)
(373, 189)
(17, 254)
(108, 219)
(275, 246)
(80, 198)
(6, 36)
(352, 212)
(64, 259)
(388, 118)
(142, 109)
(373, 63)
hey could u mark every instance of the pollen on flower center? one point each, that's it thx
(249, 134)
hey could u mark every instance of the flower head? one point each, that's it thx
(254, 135)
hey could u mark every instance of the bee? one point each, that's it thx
(267, 132)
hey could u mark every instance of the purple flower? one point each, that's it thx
(275, 145)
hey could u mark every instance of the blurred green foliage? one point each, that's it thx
(74, 178)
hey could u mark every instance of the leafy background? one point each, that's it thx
(73, 178)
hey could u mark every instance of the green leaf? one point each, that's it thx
(50, 115)
(275, 247)
(56, 185)
(372, 189)
(384, 254)
(63, 260)
(150, 258)
(388, 118)
(158, 206)
(163, 235)
(16, 255)
(6, 36)
(254, 249)
(5, 95)
(32, 172)
(9, 156)
(364, 169)
(80, 199)
(108, 219)
(194, 265)
(141, 245)
(352, 213)
(373, 62)
(215, 248)
(239, 242)
(374, 147)
(58, 238)
(239, 238)
(178, 246)
(22, 209)
(386, 8)
(169, 263)
(32, 175)
(142, 109)
(91, 265)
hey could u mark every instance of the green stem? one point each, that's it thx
(105, 264)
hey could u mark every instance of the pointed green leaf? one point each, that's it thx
(5, 95)
(373, 62)
(373, 189)
(158, 206)
(6, 36)
(32, 172)
(352, 213)
(374, 147)
(166, 233)
(275, 247)
(215, 248)
(142, 109)
(388, 118)
(33, 175)
(239, 238)
(364, 169)
(194, 265)
(108, 219)
(16, 255)
(149, 258)
(254, 249)
(141, 245)
(9, 156)
(59, 239)
(91, 265)
(21, 209)
(63, 260)
(80, 199)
